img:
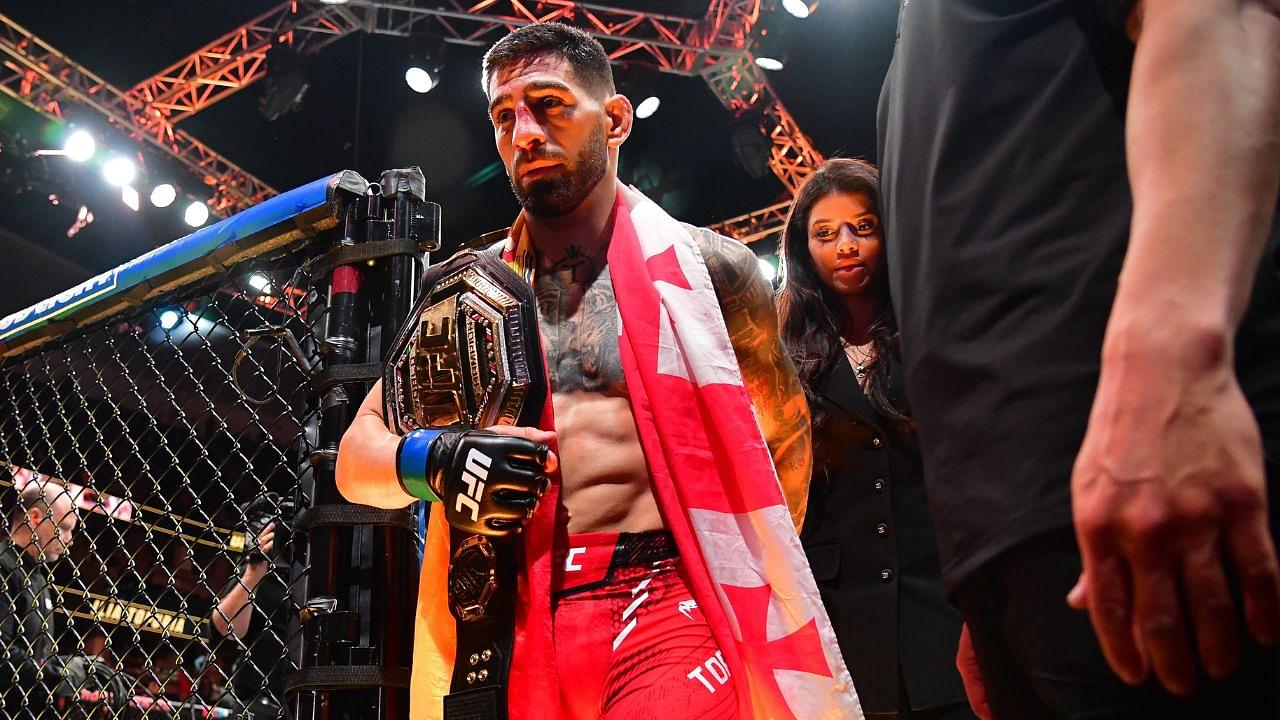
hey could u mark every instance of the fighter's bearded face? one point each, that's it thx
(551, 134)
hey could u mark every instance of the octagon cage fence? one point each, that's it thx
(188, 405)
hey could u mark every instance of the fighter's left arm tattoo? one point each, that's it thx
(747, 303)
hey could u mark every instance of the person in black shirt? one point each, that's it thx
(39, 533)
(867, 531)
(1079, 194)
(253, 610)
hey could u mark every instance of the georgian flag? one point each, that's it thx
(714, 476)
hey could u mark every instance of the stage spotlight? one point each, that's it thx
(260, 282)
(797, 8)
(770, 63)
(163, 195)
(169, 319)
(640, 84)
(197, 214)
(285, 85)
(426, 63)
(130, 197)
(768, 269)
(648, 107)
(119, 171)
(79, 146)
(419, 79)
(770, 48)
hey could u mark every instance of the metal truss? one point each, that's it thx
(238, 58)
(715, 47)
(42, 78)
(756, 225)
(742, 87)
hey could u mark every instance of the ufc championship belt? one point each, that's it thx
(470, 356)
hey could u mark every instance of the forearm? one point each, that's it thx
(366, 468)
(234, 611)
(1203, 139)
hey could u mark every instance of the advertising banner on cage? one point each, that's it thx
(86, 499)
(276, 216)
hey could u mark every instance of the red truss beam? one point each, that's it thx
(42, 78)
(714, 47)
(742, 87)
(238, 58)
(756, 225)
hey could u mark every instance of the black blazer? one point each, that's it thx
(870, 542)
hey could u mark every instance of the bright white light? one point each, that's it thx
(768, 63)
(130, 198)
(334, 2)
(259, 282)
(163, 195)
(79, 146)
(169, 319)
(197, 214)
(119, 171)
(767, 269)
(419, 80)
(799, 8)
(648, 107)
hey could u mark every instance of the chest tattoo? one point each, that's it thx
(578, 317)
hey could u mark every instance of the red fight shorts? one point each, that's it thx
(630, 641)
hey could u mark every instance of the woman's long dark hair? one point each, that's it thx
(811, 316)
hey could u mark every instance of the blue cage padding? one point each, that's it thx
(280, 222)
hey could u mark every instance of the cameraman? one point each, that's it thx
(253, 612)
(39, 533)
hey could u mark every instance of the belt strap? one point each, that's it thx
(336, 515)
(478, 689)
(346, 677)
(345, 373)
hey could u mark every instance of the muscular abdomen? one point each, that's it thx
(605, 482)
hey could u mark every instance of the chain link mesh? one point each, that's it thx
(180, 434)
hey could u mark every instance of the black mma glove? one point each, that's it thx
(489, 483)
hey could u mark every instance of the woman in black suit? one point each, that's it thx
(868, 534)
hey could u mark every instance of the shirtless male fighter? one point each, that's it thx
(558, 125)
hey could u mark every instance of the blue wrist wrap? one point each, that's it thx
(411, 463)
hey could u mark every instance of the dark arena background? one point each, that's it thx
(180, 183)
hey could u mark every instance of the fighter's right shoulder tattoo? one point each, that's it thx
(746, 299)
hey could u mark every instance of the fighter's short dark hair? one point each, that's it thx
(585, 54)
